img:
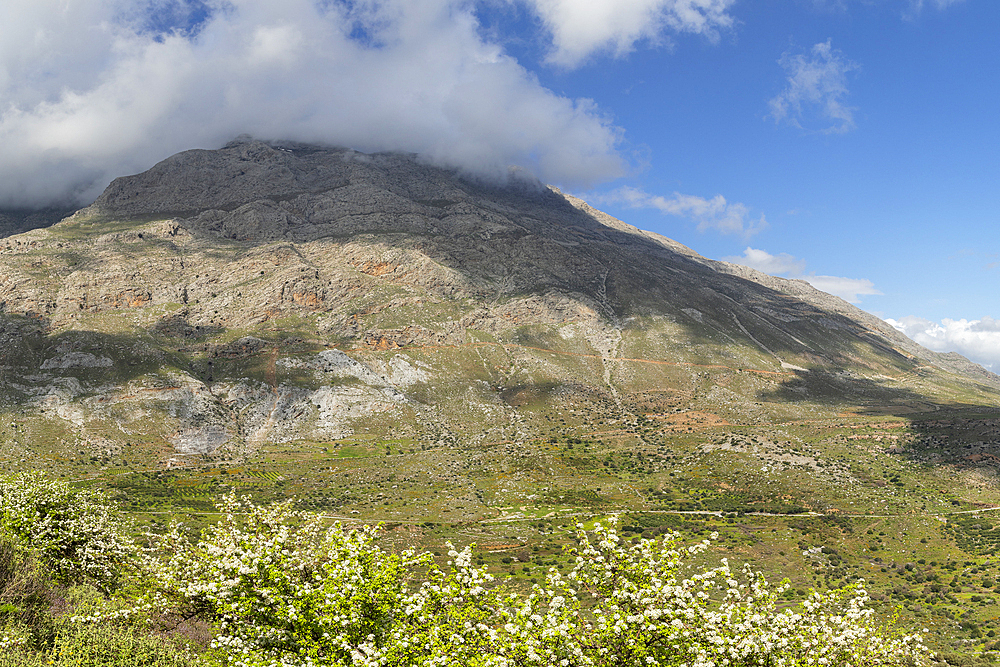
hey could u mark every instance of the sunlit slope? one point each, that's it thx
(226, 299)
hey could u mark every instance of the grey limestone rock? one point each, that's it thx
(273, 292)
(76, 360)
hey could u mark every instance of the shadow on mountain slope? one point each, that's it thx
(30, 353)
(18, 221)
(509, 243)
(844, 390)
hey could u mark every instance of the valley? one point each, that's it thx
(384, 341)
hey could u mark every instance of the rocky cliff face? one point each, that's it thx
(285, 293)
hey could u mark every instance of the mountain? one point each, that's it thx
(384, 339)
(279, 292)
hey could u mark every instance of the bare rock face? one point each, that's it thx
(76, 360)
(280, 293)
(200, 180)
(204, 440)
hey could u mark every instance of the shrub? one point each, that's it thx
(100, 646)
(24, 587)
(286, 590)
(280, 585)
(32, 636)
(78, 534)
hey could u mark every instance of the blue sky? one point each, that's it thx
(852, 143)
(904, 193)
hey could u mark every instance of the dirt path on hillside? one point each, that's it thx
(271, 374)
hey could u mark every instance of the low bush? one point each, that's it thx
(24, 586)
(278, 587)
(287, 590)
(100, 645)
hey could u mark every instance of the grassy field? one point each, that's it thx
(904, 504)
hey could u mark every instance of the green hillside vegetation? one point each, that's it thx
(269, 585)
(379, 341)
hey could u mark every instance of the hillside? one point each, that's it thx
(388, 340)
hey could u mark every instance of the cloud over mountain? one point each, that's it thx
(783, 264)
(978, 340)
(94, 89)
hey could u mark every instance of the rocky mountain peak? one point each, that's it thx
(268, 292)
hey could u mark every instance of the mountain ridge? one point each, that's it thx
(382, 340)
(223, 269)
(120, 194)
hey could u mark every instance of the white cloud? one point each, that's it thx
(93, 89)
(986, 324)
(816, 87)
(979, 340)
(715, 213)
(580, 28)
(783, 264)
(848, 289)
(763, 261)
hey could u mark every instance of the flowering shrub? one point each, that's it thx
(282, 587)
(78, 534)
(287, 591)
(644, 612)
